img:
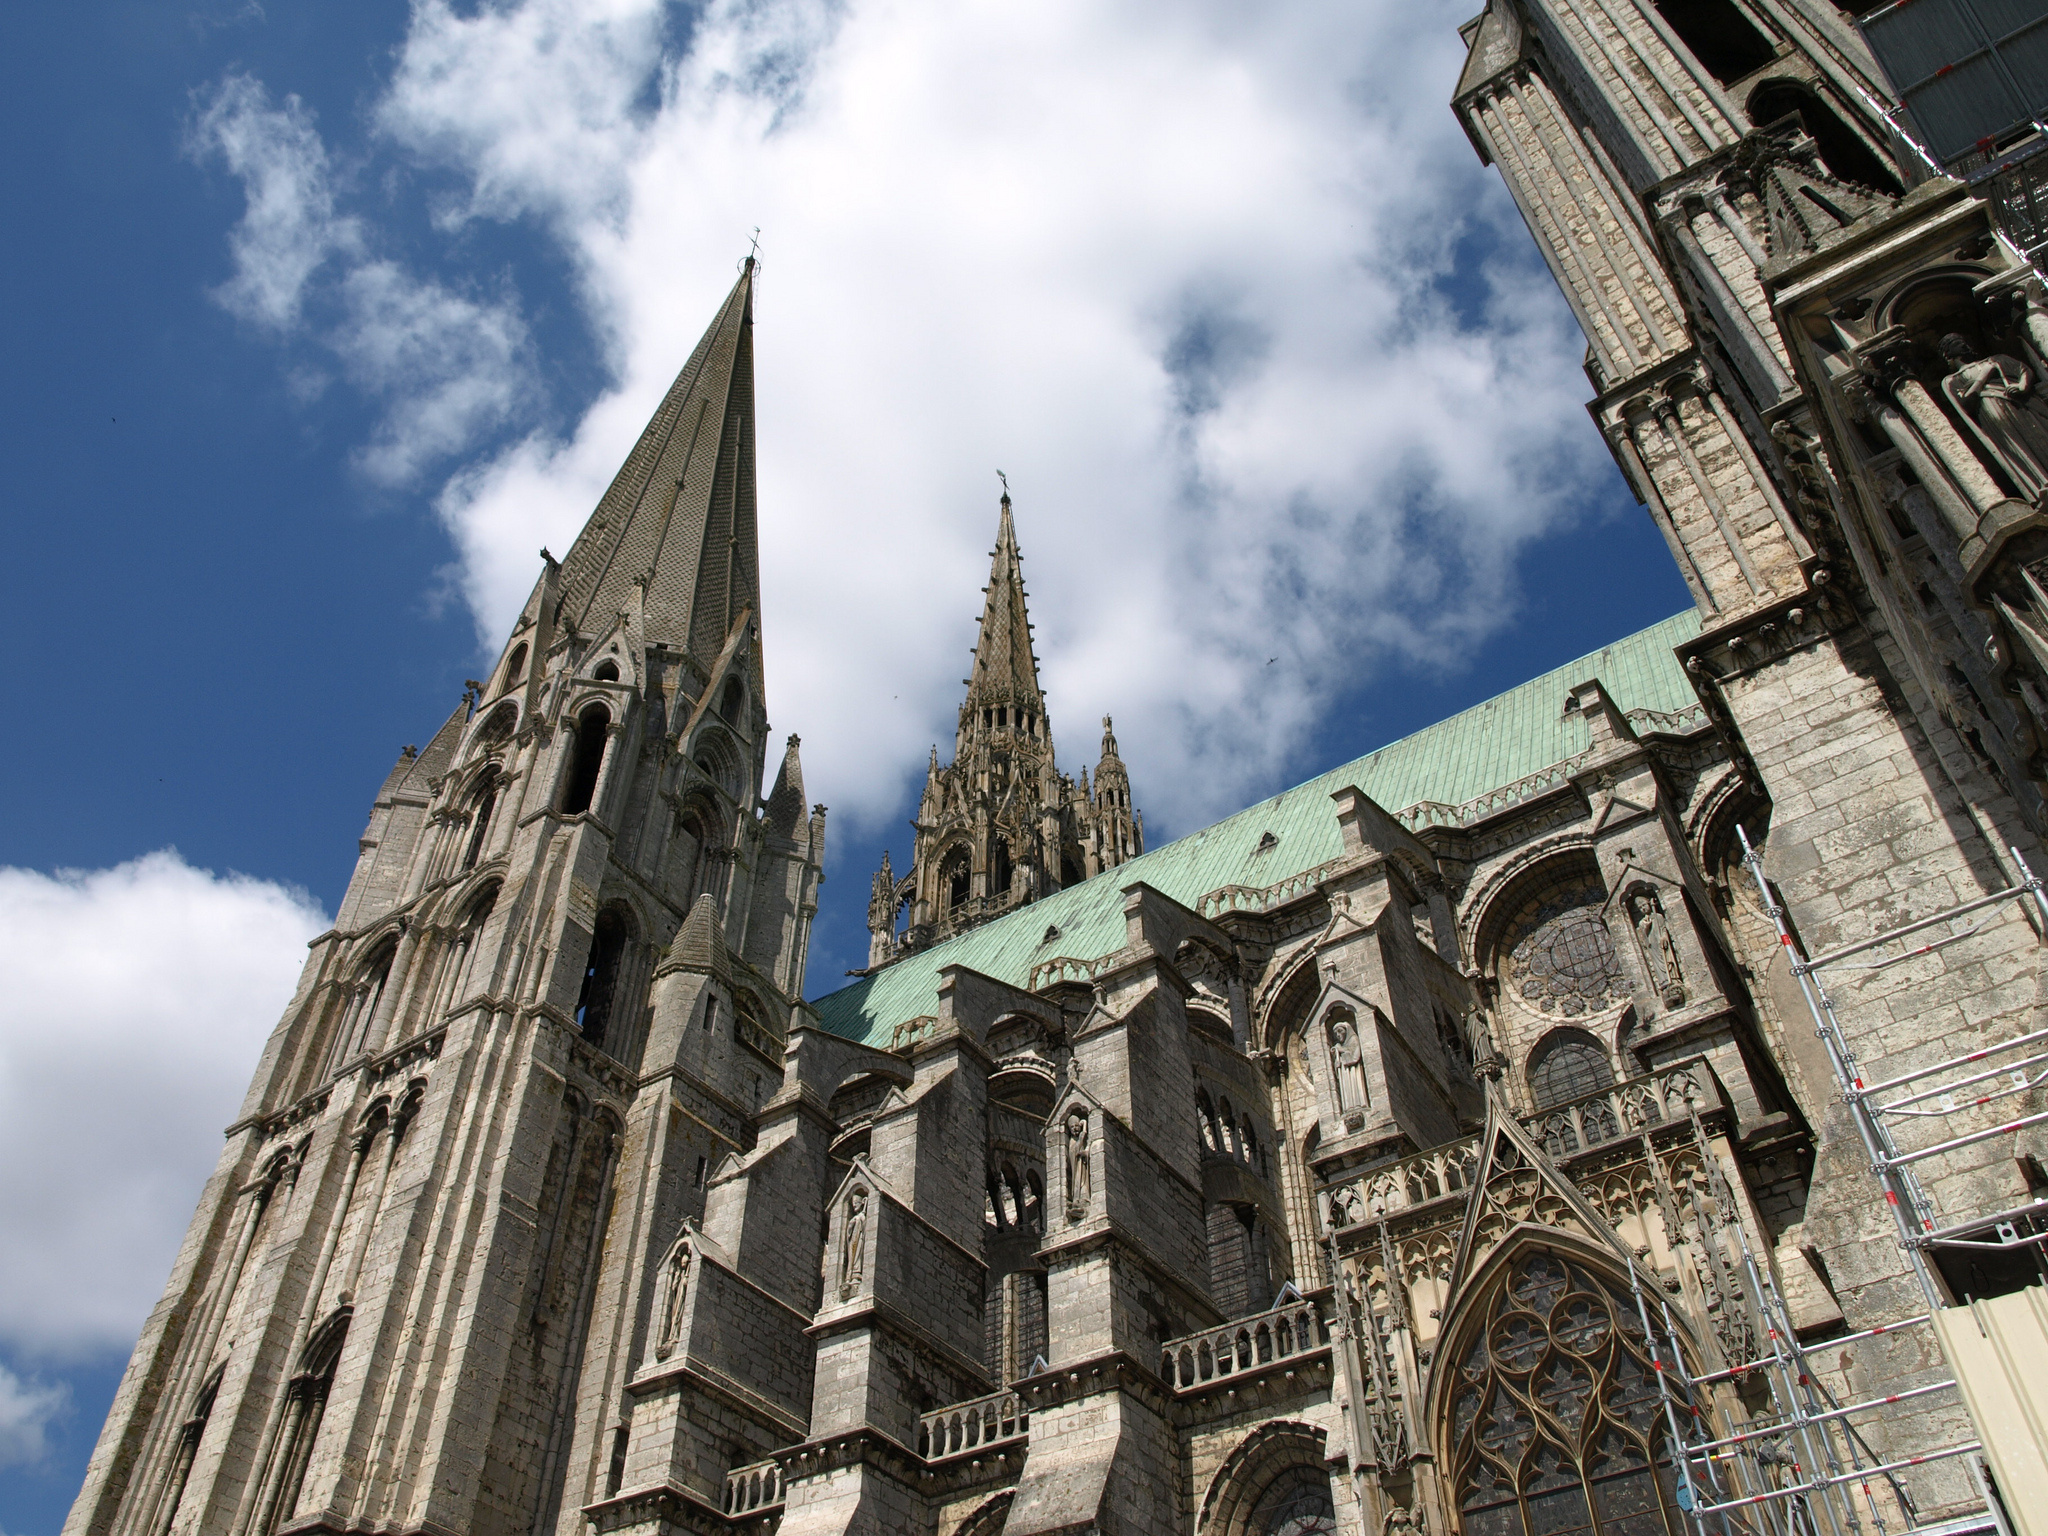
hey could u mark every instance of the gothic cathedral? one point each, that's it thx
(1615, 1109)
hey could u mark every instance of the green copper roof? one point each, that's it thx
(1481, 755)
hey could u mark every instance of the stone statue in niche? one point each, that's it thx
(1660, 954)
(675, 1290)
(853, 1246)
(1347, 1062)
(1996, 394)
(1080, 1179)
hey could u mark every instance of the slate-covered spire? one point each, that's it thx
(1005, 671)
(785, 810)
(680, 513)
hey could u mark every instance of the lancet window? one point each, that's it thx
(481, 807)
(1555, 1423)
(585, 759)
(594, 1003)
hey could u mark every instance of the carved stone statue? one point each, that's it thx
(1997, 395)
(853, 1245)
(1399, 1522)
(1080, 1178)
(675, 1290)
(1347, 1059)
(1660, 954)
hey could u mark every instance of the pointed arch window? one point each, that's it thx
(515, 667)
(1000, 869)
(351, 1037)
(702, 843)
(481, 807)
(1567, 1065)
(586, 758)
(732, 701)
(595, 1002)
(956, 878)
(1555, 1422)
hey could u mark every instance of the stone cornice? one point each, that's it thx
(715, 1383)
(1112, 1371)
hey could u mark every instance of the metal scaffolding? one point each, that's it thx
(1803, 1466)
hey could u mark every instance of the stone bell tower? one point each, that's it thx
(1000, 825)
(408, 1295)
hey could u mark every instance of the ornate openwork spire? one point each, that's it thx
(1005, 670)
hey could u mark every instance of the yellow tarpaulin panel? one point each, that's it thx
(2000, 1352)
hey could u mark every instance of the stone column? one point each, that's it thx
(1672, 425)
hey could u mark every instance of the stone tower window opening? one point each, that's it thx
(1567, 1064)
(1726, 42)
(700, 825)
(719, 761)
(351, 1037)
(733, 701)
(482, 804)
(586, 758)
(515, 667)
(594, 1001)
(956, 879)
(606, 672)
(1000, 870)
(1842, 150)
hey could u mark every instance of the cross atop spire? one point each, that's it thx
(1005, 671)
(679, 516)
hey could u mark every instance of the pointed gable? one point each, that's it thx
(680, 513)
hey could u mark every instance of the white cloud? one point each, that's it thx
(289, 228)
(446, 366)
(26, 1409)
(1180, 269)
(137, 999)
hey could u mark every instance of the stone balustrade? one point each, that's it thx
(1262, 898)
(751, 1489)
(1292, 1329)
(976, 1425)
(1625, 1109)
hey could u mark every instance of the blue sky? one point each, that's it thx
(325, 317)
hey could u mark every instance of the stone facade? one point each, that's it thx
(1410, 1152)
(1000, 825)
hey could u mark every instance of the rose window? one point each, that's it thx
(1561, 958)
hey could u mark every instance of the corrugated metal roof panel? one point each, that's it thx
(1478, 752)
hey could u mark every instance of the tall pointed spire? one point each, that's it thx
(680, 513)
(1005, 671)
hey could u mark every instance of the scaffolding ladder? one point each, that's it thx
(1804, 1467)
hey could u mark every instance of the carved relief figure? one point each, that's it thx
(1997, 395)
(1347, 1059)
(1080, 1180)
(853, 1247)
(1660, 954)
(675, 1290)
